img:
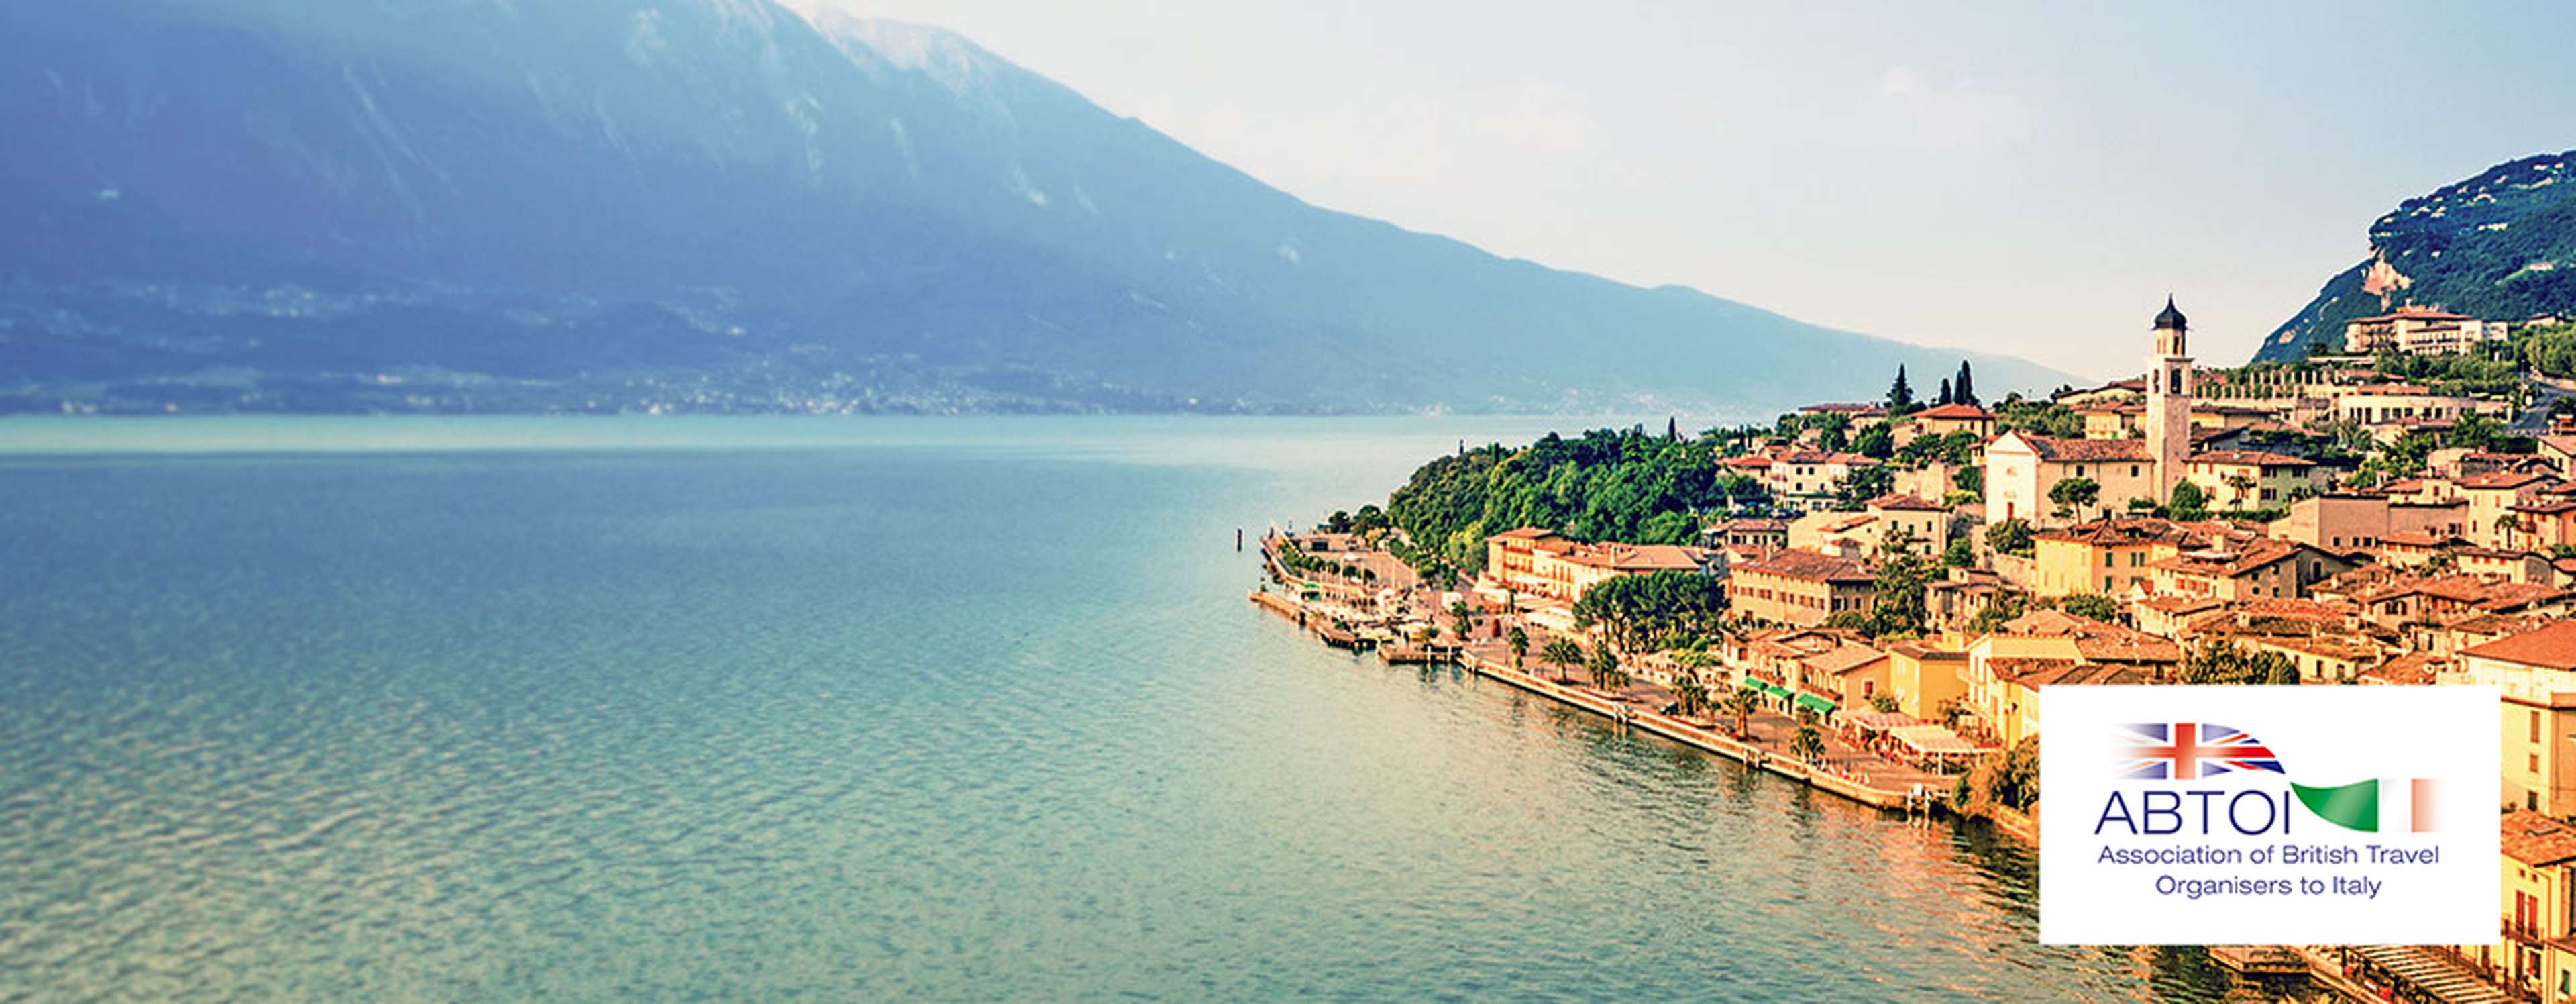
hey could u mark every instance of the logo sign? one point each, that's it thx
(2268, 815)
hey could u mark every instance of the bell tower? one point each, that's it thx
(2167, 422)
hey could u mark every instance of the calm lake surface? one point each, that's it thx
(966, 709)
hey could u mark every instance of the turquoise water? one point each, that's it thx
(962, 709)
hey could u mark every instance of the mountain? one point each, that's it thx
(546, 205)
(2499, 246)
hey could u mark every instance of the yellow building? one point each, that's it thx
(1800, 588)
(2105, 556)
(2536, 671)
(1924, 676)
(2248, 479)
(2537, 909)
(1942, 420)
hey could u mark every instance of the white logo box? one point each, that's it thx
(2427, 873)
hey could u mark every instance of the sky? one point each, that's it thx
(2031, 179)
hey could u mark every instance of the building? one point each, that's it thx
(1924, 527)
(1800, 588)
(2421, 331)
(2022, 467)
(2395, 409)
(1748, 535)
(1533, 564)
(2249, 479)
(2350, 521)
(2109, 556)
(2535, 953)
(1944, 419)
(2536, 673)
(2233, 570)
(2167, 421)
(1925, 677)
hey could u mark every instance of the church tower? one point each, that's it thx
(2167, 422)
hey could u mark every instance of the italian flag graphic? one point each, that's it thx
(2401, 805)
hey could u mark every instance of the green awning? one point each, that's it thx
(1770, 688)
(1816, 704)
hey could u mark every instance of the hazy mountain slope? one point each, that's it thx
(719, 204)
(2500, 246)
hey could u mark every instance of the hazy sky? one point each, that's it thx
(2028, 179)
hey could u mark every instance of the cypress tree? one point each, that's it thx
(1900, 397)
(1672, 428)
(1945, 392)
(1964, 390)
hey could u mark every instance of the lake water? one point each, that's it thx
(965, 709)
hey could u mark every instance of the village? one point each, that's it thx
(1878, 610)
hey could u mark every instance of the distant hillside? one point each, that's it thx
(2500, 246)
(720, 205)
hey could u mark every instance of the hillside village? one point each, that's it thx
(1877, 591)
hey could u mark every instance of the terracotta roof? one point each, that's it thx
(2255, 554)
(1659, 557)
(2535, 839)
(1844, 409)
(1908, 503)
(2092, 675)
(2420, 538)
(2181, 604)
(2499, 479)
(1847, 659)
(2017, 666)
(2414, 669)
(2120, 530)
(2255, 458)
(1954, 411)
(1808, 565)
(2552, 647)
(2053, 449)
(1527, 533)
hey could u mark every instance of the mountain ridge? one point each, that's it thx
(848, 215)
(2499, 245)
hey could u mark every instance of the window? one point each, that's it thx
(2133, 470)
(2535, 726)
(2107, 558)
(2535, 763)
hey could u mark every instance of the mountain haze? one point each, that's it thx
(726, 205)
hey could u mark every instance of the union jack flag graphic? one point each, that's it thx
(2186, 750)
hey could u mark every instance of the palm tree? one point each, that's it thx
(1464, 617)
(1560, 653)
(1741, 704)
(1603, 667)
(1689, 697)
(1519, 642)
(1808, 744)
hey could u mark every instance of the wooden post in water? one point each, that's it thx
(1238, 540)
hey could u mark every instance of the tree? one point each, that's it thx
(2005, 609)
(1672, 429)
(1463, 618)
(1808, 744)
(1950, 711)
(1741, 704)
(1876, 441)
(1961, 553)
(1898, 608)
(1690, 697)
(2225, 663)
(1945, 392)
(2011, 536)
(2091, 605)
(2074, 495)
(2243, 486)
(2188, 502)
(1963, 390)
(1561, 652)
(1883, 703)
(1519, 641)
(1900, 395)
(1603, 668)
(1863, 484)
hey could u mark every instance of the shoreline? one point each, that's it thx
(1706, 740)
